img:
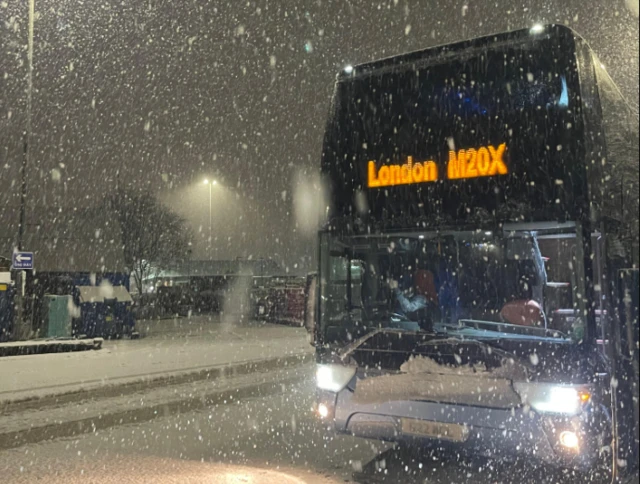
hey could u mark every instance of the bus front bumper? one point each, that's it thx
(508, 433)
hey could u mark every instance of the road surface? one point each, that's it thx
(270, 439)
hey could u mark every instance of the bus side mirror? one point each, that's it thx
(311, 306)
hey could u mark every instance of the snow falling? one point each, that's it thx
(199, 281)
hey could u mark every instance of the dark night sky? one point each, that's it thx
(159, 94)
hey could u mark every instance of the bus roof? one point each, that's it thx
(481, 131)
(440, 52)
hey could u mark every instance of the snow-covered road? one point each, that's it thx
(267, 439)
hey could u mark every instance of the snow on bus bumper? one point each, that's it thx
(561, 441)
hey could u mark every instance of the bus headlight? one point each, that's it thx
(550, 398)
(333, 378)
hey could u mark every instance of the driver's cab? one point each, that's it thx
(432, 281)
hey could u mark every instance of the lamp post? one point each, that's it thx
(210, 183)
(22, 328)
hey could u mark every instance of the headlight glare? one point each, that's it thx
(553, 399)
(333, 378)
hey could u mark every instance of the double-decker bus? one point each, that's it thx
(477, 277)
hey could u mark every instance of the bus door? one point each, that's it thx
(626, 347)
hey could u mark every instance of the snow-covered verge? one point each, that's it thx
(125, 362)
(40, 346)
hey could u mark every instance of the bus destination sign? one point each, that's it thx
(467, 163)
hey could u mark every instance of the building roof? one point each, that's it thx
(255, 267)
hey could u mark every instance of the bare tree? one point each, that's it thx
(153, 236)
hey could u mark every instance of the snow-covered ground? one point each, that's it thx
(48, 345)
(170, 347)
(57, 419)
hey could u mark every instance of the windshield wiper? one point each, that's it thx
(508, 329)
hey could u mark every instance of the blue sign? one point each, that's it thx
(22, 260)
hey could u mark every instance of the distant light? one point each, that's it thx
(348, 69)
(488, 232)
(537, 29)
(569, 440)
(421, 236)
(206, 182)
(214, 182)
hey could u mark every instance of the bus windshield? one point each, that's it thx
(520, 282)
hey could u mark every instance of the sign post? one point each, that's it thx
(22, 261)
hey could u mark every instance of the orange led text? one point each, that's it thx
(406, 174)
(473, 163)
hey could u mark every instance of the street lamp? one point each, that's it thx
(22, 326)
(210, 183)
